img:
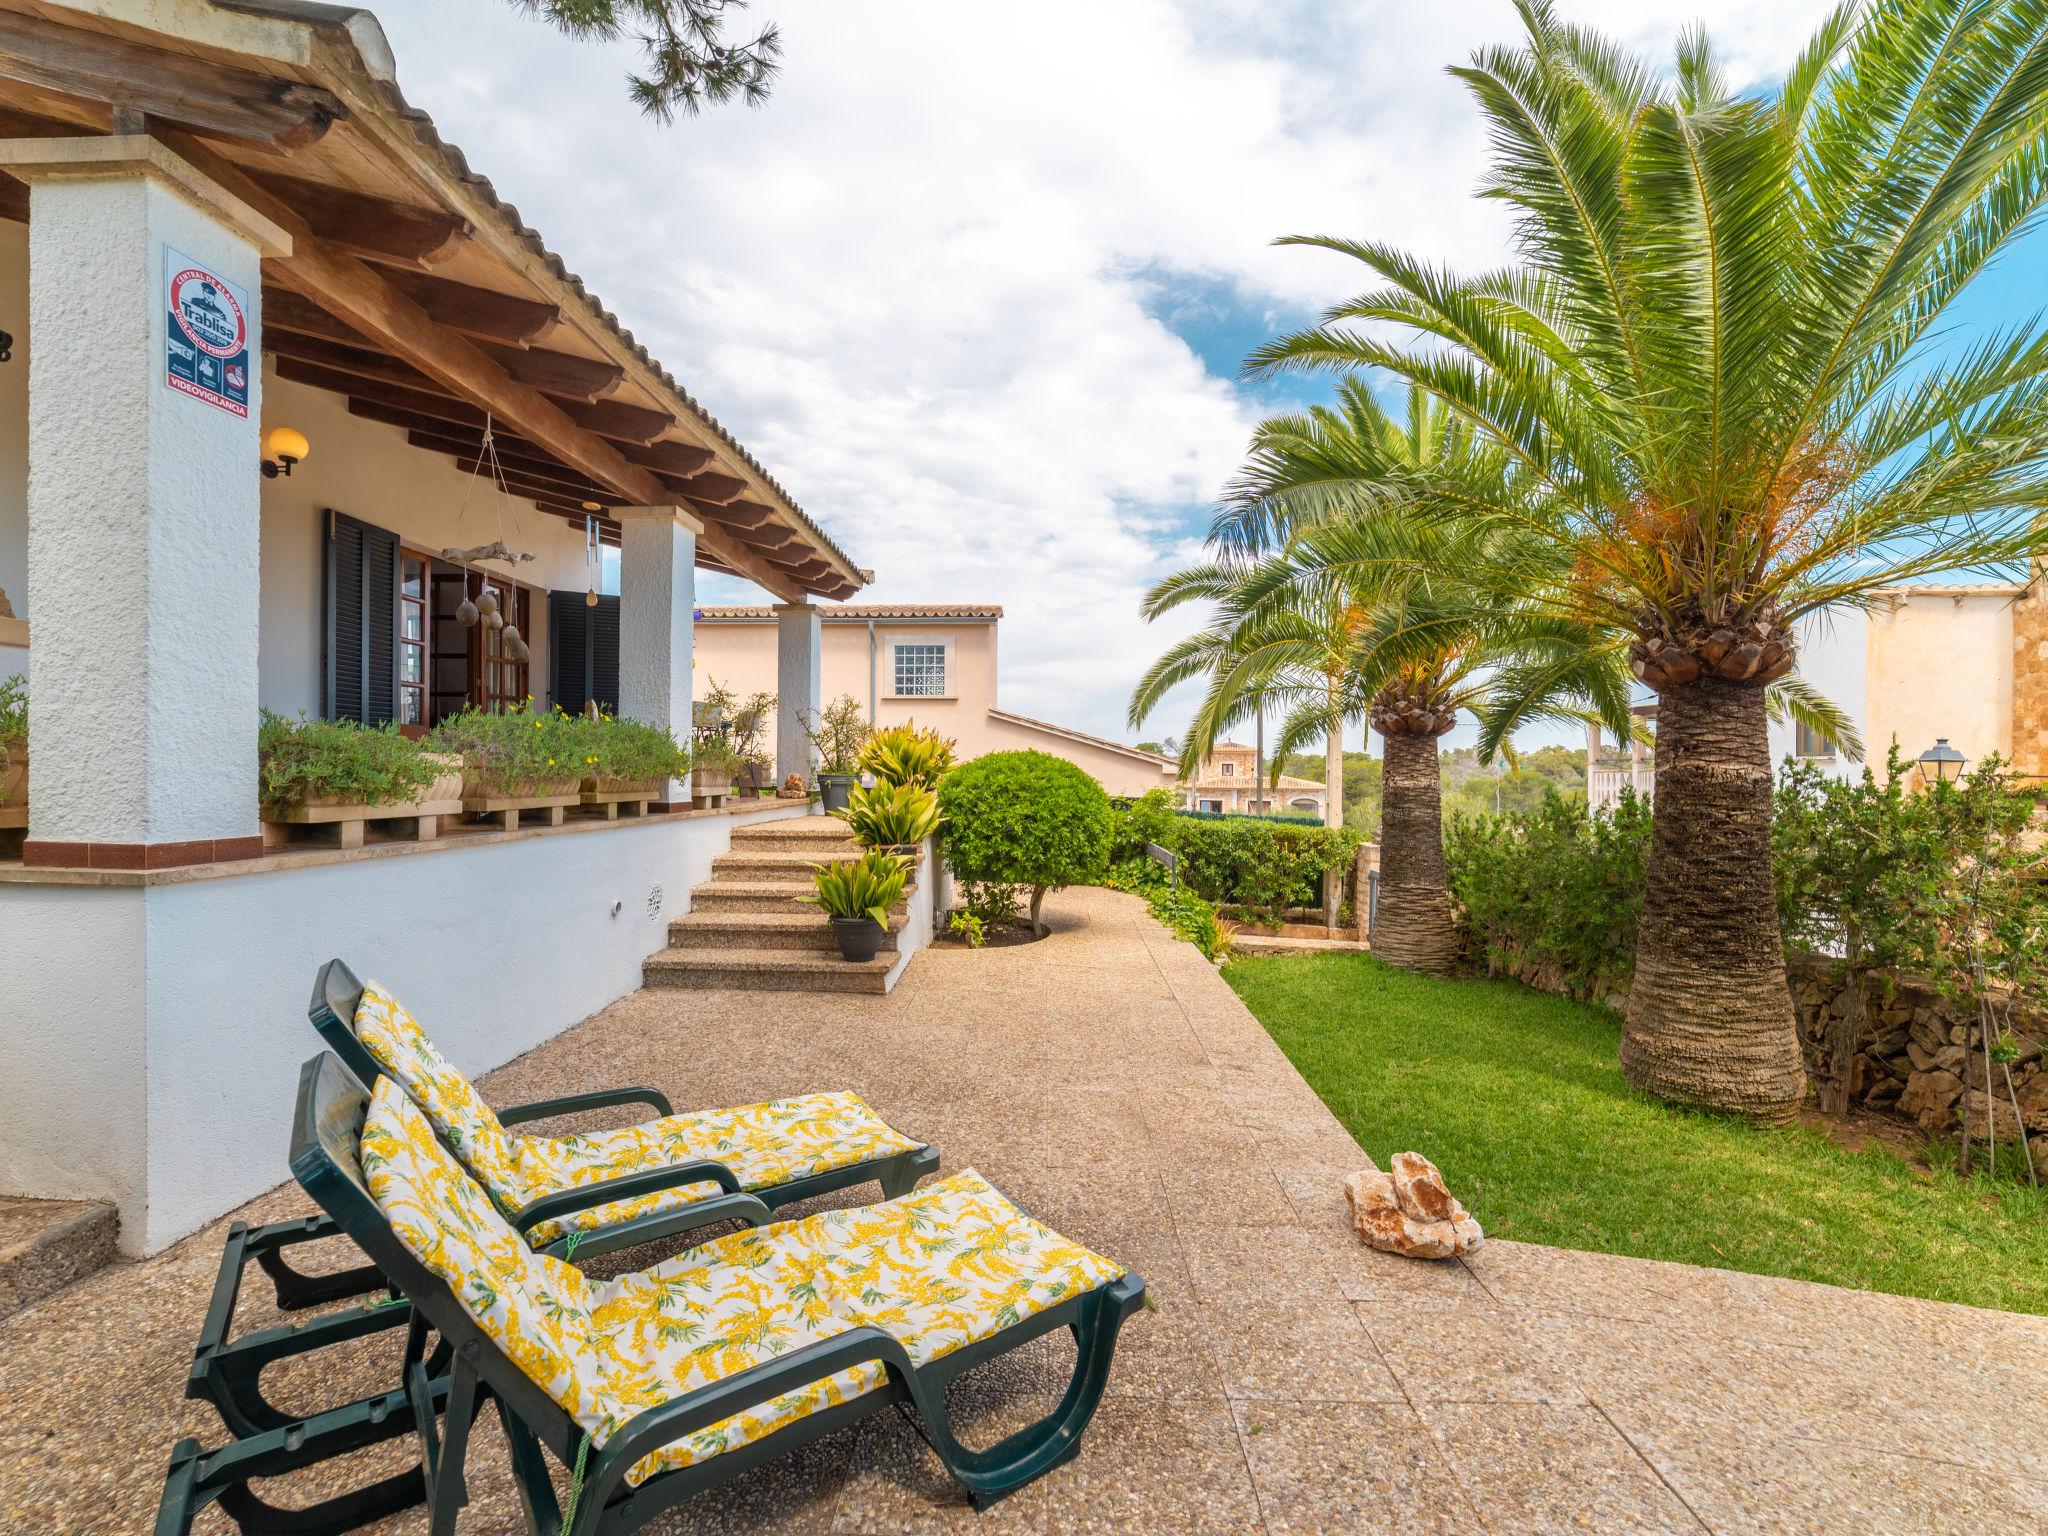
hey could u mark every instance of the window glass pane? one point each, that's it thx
(920, 670)
(413, 580)
(409, 667)
(412, 622)
(409, 707)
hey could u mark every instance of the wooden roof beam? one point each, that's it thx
(554, 373)
(378, 307)
(396, 233)
(197, 94)
(479, 312)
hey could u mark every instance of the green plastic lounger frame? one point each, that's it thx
(327, 1135)
(227, 1371)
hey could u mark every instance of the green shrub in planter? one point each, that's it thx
(1023, 820)
(616, 752)
(1262, 866)
(857, 895)
(13, 729)
(905, 754)
(892, 815)
(337, 762)
(520, 752)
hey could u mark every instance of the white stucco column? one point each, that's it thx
(799, 676)
(657, 612)
(143, 515)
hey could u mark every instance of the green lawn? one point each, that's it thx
(1518, 1098)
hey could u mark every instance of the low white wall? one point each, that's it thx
(920, 918)
(13, 659)
(153, 1036)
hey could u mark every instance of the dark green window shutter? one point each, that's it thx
(583, 651)
(359, 679)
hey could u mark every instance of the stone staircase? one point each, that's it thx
(746, 929)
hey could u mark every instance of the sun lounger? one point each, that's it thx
(674, 1379)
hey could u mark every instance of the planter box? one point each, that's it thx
(13, 806)
(616, 797)
(424, 811)
(552, 801)
(709, 786)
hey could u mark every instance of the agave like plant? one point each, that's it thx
(1722, 373)
(907, 754)
(891, 815)
(866, 887)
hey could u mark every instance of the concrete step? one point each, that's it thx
(805, 928)
(801, 832)
(794, 864)
(767, 970)
(778, 895)
(45, 1244)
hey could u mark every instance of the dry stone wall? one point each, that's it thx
(1921, 1056)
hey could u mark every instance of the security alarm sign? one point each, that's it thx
(207, 341)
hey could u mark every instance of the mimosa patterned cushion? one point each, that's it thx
(601, 1351)
(937, 1269)
(764, 1144)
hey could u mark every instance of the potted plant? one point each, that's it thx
(857, 895)
(906, 754)
(893, 816)
(339, 773)
(838, 734)
(14, 752)
(747, 734)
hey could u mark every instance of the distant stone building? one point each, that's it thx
(1227, 781)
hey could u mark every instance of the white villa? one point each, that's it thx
(267, 332)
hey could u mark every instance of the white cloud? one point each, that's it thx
(922, 283)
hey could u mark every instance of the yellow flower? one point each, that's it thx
(551, 762)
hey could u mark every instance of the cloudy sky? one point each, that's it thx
(976, 282)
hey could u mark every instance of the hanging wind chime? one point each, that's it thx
(591, 555)
(487, 608)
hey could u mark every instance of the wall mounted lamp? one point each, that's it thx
(282, 448)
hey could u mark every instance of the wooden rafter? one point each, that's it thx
(479, 312)
(553, 373)
(394, 233)
(196, 94)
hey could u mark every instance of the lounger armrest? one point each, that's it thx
(576, 1103)
(668, 1422)
(659, 1225)
(627, 1186)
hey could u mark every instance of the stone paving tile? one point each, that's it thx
(1289, 1380)
(1333, 1469)
(1468, 1354)
(1547, 1470)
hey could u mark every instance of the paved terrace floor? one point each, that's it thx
(1289, 1381)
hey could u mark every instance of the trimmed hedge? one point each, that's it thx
(1263, 865)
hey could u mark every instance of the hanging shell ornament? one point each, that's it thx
(466, 614)
(487, 601)
(510, 637)
(518, 653)
(590, 598)
(494, 619)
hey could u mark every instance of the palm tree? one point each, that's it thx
(1421, 648)
(1716, 371)
(1290, 658)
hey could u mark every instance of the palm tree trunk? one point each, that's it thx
(1413, 929)
(1333, 803)
(1710, 1018)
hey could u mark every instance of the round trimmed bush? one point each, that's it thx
(1018, 820)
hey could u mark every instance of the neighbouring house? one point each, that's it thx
(1965, 664)
(934, 663)
(1227, 782)
(264, 327)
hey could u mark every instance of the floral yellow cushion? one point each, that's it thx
(535, 1308)
(603, 1352)
(763, 1144)
(391, 1034)
(944, 1267)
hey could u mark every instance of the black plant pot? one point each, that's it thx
(859, 937)
(837, 790)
